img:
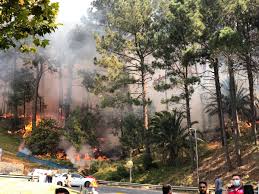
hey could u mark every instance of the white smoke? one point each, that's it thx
(80, 159)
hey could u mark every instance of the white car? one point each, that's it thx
(76, 179)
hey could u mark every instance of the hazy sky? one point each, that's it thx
(70, 11)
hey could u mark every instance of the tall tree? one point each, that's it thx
(22, 89)
(126, 46)
(40, 65)
(177, 50)
(211, 11)
(245, 15)
(227, 41)
(26, 18)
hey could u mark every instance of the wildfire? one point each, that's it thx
(7, 115)
(86, 157)
(28, 127)
(61, 155)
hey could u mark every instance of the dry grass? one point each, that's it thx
(215, 164)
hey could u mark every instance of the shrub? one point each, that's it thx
(120, 174)
(45, 138)
(81, 127)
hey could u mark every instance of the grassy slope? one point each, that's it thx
(211, 164)
(10, 144)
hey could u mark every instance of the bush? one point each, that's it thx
(147, 161)
(96, 165)
(120, 174)
(45, 138)
(81, 127)
(122, 171)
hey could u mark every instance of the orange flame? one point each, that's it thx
(7, 115)
(28, 127)
(87, 157)
(78, 157)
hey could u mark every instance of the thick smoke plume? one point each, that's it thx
(80, 159)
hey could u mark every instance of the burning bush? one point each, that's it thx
(45, 138)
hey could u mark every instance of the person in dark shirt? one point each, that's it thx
(218, 185)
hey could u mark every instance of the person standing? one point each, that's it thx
(218, 185)
(69, 179)
(235, 186)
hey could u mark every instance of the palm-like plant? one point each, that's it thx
(242, 99)
(168, 134)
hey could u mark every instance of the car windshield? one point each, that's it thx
(76, 176)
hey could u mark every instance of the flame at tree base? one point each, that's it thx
(28, 128)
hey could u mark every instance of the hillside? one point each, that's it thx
(211, 164)
(10, 144)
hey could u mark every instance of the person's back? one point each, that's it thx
(218, 185)
(248, 189)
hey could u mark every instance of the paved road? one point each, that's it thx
(117, 190)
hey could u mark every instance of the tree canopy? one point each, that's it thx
(22, 19)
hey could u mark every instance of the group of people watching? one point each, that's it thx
(234, 187)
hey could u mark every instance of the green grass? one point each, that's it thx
(180, 175)
(8, 142)
(165, 174)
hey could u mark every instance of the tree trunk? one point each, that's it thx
(221, 115)
(39, 72)
(232, 87)
(188, 117)
(252, 97)
(61, 103)
(145, 108)
(69, 92)
(24, 104)
(34, 107)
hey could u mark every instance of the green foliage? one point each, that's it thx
(147, 161)
(168, 135)
(120, 174)
(45, 138)
(9, 142)
(22, 87)
(242, 99)
(81, 127)
(132, 132)
(26, 19)
(124, 48)
(226, 40)
(177, 50)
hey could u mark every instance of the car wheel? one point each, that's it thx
(59, 183)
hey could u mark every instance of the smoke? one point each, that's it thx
(23, 149)
(80, 159)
